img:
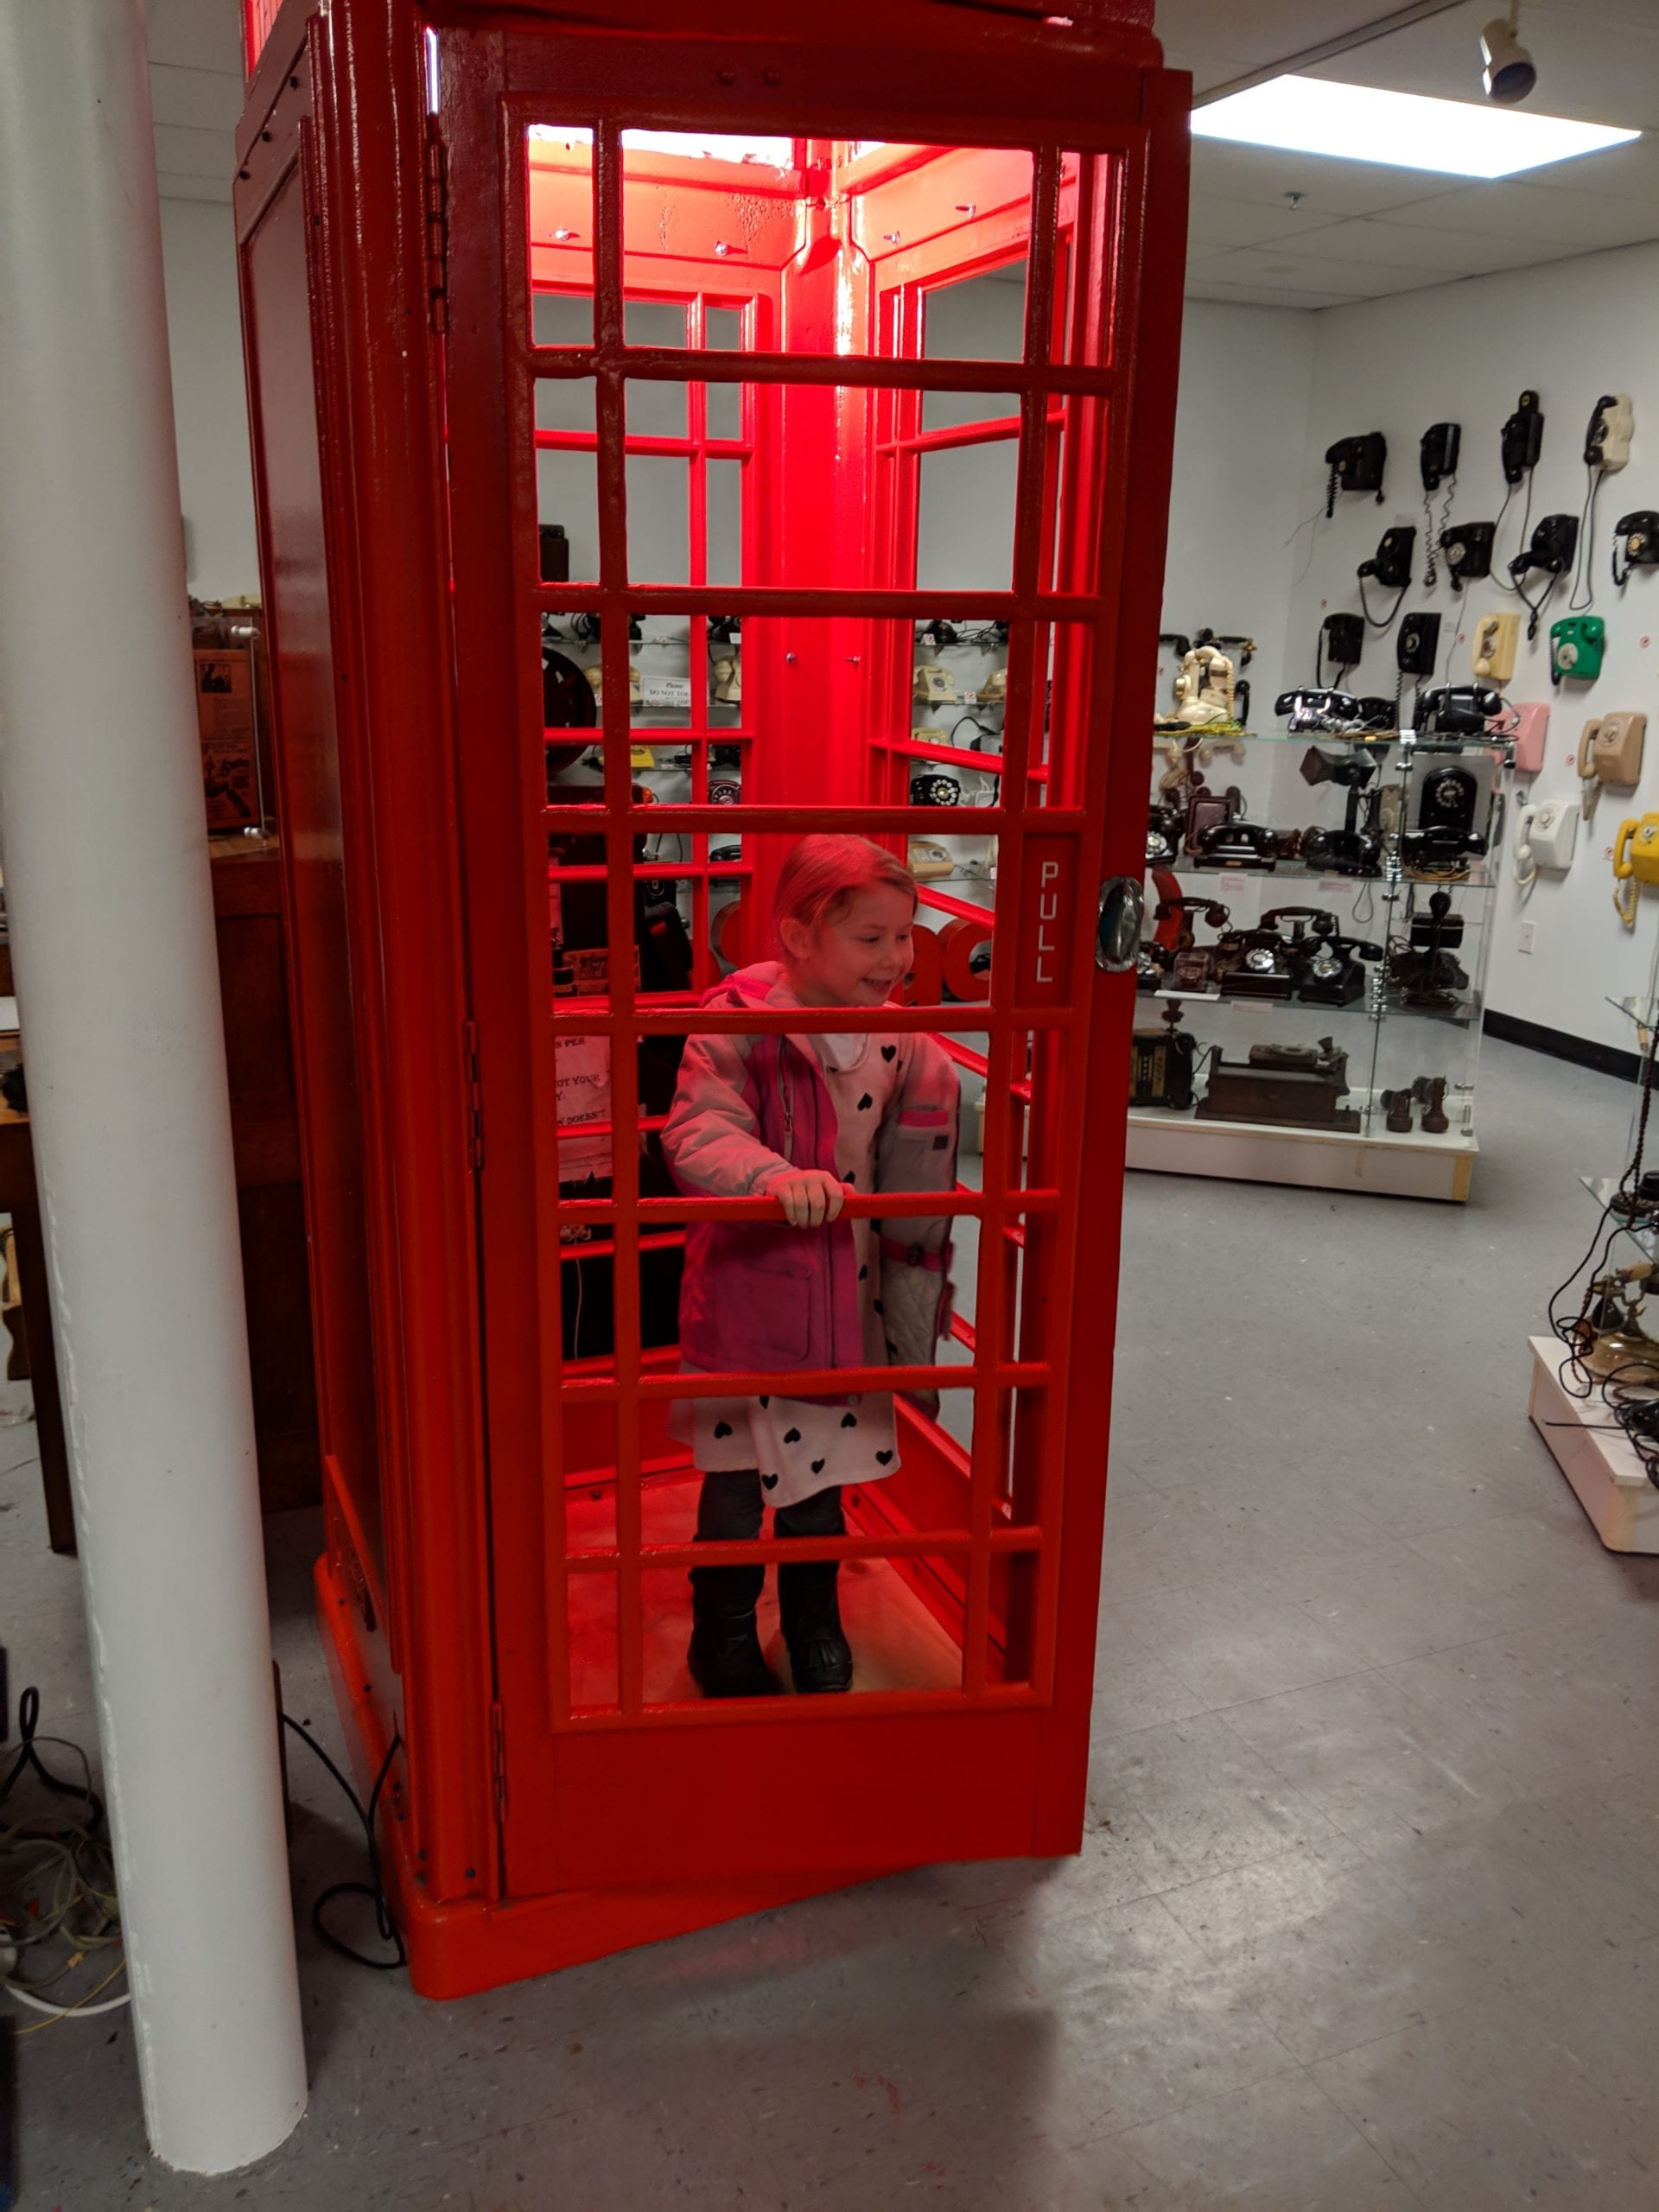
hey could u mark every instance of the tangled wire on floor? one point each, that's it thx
(58, 1907)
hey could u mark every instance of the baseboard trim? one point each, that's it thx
(1606, 1060)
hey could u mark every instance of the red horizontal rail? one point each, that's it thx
(593, 1018)
(653, 447)
(881, 1205)
(650, 871)
(604, 1248)
(673, 820)
(836, 1383)
(758, 600)
(944, 1543)
(964, 909)
(686, 364)
(990, 764)
(819, 1711)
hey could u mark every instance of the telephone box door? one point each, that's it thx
(724, 384)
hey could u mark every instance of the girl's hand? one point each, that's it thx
(809, 1196)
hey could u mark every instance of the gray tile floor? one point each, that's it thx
(1367, 1916)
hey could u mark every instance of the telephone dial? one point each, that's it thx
(1577, 643)
(1165, 828)
(1544, 837)
(1468, 550)
(1635, 861)
(1457, 711)
(1332, 974)
(1446, 834)
(1522, 438)
(935, 790)
(1636, 537)
(1610, 752)
(1355, 464)
(1259, 963)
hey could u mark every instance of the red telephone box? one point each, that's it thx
(682, 314)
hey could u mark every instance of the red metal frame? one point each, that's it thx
(523, 1830)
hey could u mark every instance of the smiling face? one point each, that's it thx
(856, 958)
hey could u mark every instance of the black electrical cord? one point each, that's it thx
(29, 1721)
(1386, 621)
(1584, 571)
(374, 1888)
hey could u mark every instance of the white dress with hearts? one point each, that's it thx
(800, 1445)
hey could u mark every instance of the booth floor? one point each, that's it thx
(1368, 1914)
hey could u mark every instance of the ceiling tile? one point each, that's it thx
(1260, 175)
(1627, 172)
(196, 35)
(1588, 220)
(1249, 296)
(1367, 239)
(198, 99)
(1213, 221)
(1264, 267)
(195, 153)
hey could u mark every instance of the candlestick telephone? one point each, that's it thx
(1355, 464)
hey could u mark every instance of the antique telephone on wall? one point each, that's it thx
(1637, 538)
(1342, 640)
(1355, 464)
(1577, 643)
(1437, 456)
(1610, 752)
(1468, 550)
(1553, 542)
(1391, 565)
(1545, 835)
(1635, 861)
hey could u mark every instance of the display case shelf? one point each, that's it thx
(1437, 930)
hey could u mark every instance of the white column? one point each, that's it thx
(112, 934)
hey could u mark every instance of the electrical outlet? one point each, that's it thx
(1528, 930)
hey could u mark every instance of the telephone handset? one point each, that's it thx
(1610, 752)
(1522, 439)
(1355, 464)
(1637, 537)
(1320, 921)
(1192, 967)
(1607, 437)
(1178, 909)
(1258, 964)
(1636, 860)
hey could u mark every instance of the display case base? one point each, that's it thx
(1414, 1166)
(1607, 1478)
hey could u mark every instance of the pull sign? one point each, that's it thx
(1048, 905)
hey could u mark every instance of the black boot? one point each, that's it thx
(726, 1658)
(820, 1658)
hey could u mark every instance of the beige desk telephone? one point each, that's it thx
(1610, 752)
(1635, 861)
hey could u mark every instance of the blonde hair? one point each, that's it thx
(823, 874)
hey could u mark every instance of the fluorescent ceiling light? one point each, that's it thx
(1356, 123)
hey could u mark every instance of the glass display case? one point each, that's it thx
(1318, 925)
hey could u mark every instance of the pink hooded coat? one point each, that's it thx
(770, 1300)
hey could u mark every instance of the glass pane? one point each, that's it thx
(977, 318)
(567, 498)
(965, 526)
(723, 403)
(562, 318)
(725, 508)
(658, 518)
(723, 329)
(559, 165)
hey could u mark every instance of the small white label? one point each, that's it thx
(666, 691)
(971, 698)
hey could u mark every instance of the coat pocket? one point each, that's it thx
(769, 1293)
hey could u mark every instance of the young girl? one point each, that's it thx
(805, 1119)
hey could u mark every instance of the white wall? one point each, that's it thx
(1240, 428)
(1464, 352)
(210, 408)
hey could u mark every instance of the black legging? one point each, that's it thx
(729, 1510)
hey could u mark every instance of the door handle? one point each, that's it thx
(1117, 934)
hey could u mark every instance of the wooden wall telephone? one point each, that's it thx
(1610, 752)
(1635, 861)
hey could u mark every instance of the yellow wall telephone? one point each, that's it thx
(1610, 752)
(1636, 860)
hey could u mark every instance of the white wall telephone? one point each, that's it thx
(1544, 837)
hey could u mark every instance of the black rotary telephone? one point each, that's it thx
(1446, 834)
(1636, 537)
(1458, 711)
(1522, 438)
(1166, 827)
(1263, 962)
(1468, 550)
(1355, 464)
(1344, 852)
(1332, 974)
